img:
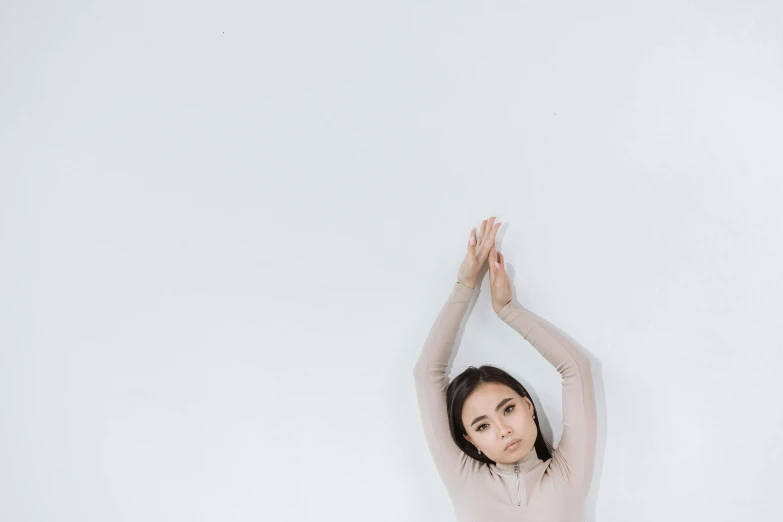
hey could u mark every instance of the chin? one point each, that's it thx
(519, 452)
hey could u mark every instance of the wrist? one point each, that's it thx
(468, 283)
(498, 307)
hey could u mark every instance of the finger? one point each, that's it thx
(492, 233)
(472, 242)
(482, 234)
(489, 238)
(492, 258)
(495, 230)
(501, 262)
(488, 231)
(498, 263)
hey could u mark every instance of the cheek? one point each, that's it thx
(532, 427)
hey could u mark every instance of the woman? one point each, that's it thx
(482, 429)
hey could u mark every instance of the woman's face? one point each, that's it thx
(493, 416)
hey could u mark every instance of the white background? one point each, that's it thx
(227, 227)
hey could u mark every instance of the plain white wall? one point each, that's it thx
(227, 227)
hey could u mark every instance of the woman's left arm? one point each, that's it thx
(575, 454)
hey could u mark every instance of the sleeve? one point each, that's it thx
(575, 454)
(431, 378)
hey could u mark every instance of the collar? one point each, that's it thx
(525, 464)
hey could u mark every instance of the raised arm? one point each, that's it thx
(431, 377)
(575, 454)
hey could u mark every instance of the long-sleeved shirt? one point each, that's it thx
(554, 490)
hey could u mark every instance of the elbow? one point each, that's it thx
(581, 358)
(417, 370)
(578, 365)
(420, 371)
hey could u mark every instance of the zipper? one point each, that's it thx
(519, 496)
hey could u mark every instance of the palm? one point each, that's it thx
(499, 282)
(477, 254)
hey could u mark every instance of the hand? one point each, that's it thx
(478, 250)
(499, 283)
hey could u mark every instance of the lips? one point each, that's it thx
(512, 443)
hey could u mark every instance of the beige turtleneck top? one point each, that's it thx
(530, 490)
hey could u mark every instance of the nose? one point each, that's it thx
(505, 429)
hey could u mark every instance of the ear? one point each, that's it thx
(468, 439)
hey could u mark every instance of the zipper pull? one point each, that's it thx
(519, 496)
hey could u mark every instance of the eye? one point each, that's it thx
(481, 427)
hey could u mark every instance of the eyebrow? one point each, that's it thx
(500, 405)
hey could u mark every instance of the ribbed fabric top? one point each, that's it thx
(542, 491)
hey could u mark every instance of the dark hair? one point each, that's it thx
(466, 383)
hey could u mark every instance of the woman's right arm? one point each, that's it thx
(431, 377)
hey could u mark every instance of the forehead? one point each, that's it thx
(486, 397)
